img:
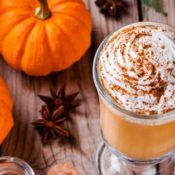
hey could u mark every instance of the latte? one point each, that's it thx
(136, 67)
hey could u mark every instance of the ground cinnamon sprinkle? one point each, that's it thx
(135, 69)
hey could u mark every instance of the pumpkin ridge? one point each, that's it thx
(20, 53)
(3, 101)
(73, 14)
(26, 62)
(74, 48)
(10, 10)
(75, 17)
(63, 32)
(60, 27)
(4, 88)
(49, 50)
(54, 66)
(7, 124)
(26, 10)
(65, 36)
(6, 105)
(66, 2)
(19, 62)
(18, 21)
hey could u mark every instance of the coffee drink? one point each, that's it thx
(136, 70)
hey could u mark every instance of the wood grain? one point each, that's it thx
(24, 142)
(149, 14)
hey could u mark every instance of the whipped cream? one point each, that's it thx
(137, 68)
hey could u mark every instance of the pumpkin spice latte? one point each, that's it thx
(135, 78)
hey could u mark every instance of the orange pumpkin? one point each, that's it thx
(6, 119)
(40, 36)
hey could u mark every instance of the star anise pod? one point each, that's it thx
(59, 97)
(112, 8)
(50, 126)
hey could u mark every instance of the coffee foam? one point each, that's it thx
(137, 68)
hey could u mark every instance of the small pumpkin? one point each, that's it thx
(40, 36)
(6, 119)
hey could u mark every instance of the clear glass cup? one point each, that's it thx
(133, 144)
(14, 166)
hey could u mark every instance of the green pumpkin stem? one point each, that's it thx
(43, 11)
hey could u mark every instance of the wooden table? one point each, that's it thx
(24, 142)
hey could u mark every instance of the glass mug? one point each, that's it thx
(133, 144)
(14, 166)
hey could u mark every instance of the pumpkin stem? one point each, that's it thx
(43, 11)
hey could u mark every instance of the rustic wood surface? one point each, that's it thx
(24, 142)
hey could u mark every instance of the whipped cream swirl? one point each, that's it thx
(137, 68)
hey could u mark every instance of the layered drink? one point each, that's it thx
(134, 73)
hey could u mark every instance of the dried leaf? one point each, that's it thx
(157, 5)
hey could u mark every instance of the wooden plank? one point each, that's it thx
(24, 142)
(149, 14)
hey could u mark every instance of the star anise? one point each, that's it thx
(50, 126)
(59, 97)
(112, 8)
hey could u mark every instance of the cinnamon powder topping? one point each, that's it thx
(136, 67)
